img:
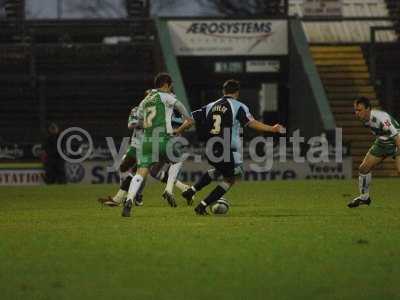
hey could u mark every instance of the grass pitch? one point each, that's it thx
(280, 240)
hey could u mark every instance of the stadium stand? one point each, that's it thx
(137, 8)
(276, 7)
(346, 31)
(87, 78)
(387, 66)
(387, 76)
(15, 9)
(394, 10)
(79, 96)
(19, 111)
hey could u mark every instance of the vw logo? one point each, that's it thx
(74, 172)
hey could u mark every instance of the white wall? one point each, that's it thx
(111, 8)
(349, 31)
(45, 9)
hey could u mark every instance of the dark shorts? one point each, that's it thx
(228, 168)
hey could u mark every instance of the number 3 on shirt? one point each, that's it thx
(217, 124)
(150, 113)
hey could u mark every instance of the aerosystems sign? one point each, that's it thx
(229, 38)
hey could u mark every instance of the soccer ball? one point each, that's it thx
(221, 207)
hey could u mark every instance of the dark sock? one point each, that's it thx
(205, 179)
(126, 183)
(164, 176)
(216, 194)
(161, 175)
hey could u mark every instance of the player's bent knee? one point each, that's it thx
(123, 168)
(231, 181)
(155, 170)
(363, 169)
(127, 164)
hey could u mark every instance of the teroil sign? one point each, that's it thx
(225, 37)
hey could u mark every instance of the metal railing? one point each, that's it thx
(35, 37)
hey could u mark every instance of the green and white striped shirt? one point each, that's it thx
(156, 111)
(383, 125)
(137, 124)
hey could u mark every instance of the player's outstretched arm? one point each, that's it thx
(187, 123)
(259, 126)
(187, 120)
(134, 124)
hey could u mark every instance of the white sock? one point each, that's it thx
(120, 196)
(172, 174)
(134, 186)
(180, 185)
(364, 181)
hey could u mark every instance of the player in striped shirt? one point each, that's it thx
(128, 165)
(387, 144)
(156, 110)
